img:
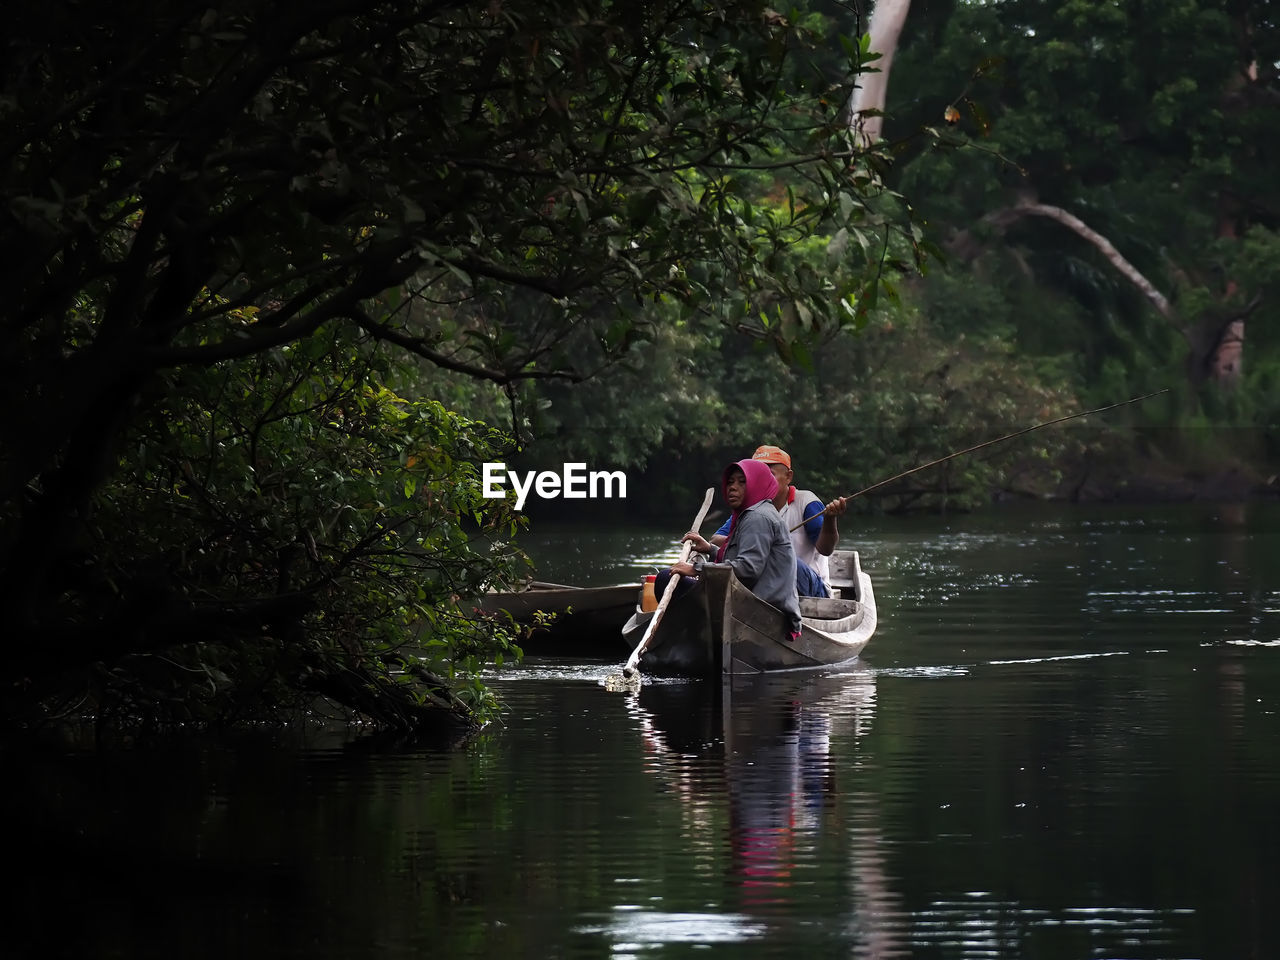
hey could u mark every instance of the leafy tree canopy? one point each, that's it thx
(214, 218)
(1153, 125)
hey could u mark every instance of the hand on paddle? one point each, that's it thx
(633, 661)
(699, 542)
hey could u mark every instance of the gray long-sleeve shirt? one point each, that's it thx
(764, 559)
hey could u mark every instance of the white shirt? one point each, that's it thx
(793, 513)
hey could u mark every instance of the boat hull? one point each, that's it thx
(721, 627)
(583, 617)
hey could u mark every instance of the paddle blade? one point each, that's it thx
(617, 683)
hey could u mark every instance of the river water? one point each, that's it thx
(1062, 743)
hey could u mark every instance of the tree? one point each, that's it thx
(195, 197)
(282, 528)
(852, 409)
(1147, 133)
(866, 105)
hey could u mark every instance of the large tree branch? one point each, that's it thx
(234, 348)
(422, 348)
(1131, 273)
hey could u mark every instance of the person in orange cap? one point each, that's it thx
(817, 539)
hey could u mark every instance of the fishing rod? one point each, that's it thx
(987, 443)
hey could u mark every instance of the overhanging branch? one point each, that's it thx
(420, 347)
(1131, 273)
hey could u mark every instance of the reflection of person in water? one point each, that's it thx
(778, 786)
(774, 769)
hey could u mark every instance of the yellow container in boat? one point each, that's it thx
(648, 599)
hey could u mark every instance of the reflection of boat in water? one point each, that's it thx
(762, 745)
(743, 709)
(767, 737)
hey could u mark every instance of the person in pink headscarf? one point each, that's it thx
(759, 546)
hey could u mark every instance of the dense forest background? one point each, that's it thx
(278, 283)
(1099, 178)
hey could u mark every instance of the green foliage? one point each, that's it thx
(905, 391)
(297, 530)
(1157, 126)
(905, 394)
(209, 216)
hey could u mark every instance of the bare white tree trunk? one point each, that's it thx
(1217, 344)
(1227, 363)
(869, 94)
(1117, 260)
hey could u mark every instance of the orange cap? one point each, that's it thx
(771, 454)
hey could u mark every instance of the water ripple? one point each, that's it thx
(926, 672)
(633, 927)
(1065, 656)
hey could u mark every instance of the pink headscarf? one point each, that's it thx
(761, 485)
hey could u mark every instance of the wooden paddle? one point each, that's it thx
(668, 592)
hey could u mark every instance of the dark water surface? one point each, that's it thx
(1063, 743)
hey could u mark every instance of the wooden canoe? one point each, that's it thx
(582, 613)
(721, 627)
